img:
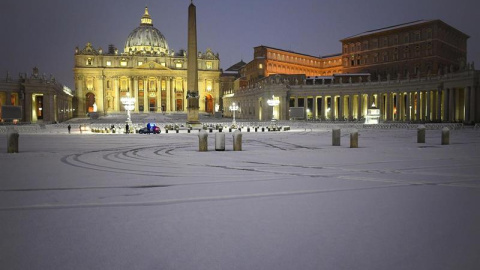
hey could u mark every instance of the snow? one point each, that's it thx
(289, 200)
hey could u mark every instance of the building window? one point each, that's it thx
(406, 52)
(429, 33)
(260, 66)
(406, 38)
(209, 65)
(123, 62)
(163, 64)
(140, 85)
(417, 36)
(140, 63)
(89, 61)
(209, 85)
(108, 84)
(109, 63)
(178, 65)
(164, 85)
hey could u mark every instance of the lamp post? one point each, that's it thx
(233, 108)
(272, 103)
(129, 104)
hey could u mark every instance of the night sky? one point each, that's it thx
(45, 33)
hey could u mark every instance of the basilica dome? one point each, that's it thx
(146, 39)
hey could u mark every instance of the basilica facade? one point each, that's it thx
(147, 70)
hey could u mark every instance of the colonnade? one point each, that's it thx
(450, 104)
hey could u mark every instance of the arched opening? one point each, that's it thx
(208, 103)
(90, 101)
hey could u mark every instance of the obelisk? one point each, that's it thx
(192, 70)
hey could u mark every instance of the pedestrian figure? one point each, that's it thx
(69, 127)
(80, 129)
(126, 129)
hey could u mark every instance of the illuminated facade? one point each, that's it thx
(419, 48)
(147, 70)
(414, 72)
(34, 99)
(268, 60)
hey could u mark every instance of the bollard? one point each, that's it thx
(189, 130)
(229, 129)
(177, 130)
(336, 136)
(248, 129)
(219, 141)
(263, 129)
(210, 130)
(421, 134)
(166, 130)
(12, 141)
(202, 141)
(220, 129)
(445, 136)
(354, 139)
(256, 129)
(237, 141)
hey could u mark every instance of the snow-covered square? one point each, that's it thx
(289, 200)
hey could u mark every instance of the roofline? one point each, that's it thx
(399, 26)
(269, 47)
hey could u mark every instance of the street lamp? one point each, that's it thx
(272, 103)
(129, 104)
(233, 108)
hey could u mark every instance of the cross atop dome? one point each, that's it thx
(146, 19)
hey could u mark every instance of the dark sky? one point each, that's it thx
(45, 33)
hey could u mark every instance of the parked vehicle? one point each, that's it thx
(150, 129)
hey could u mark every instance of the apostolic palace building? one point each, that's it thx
(147, 69)
(415, 71)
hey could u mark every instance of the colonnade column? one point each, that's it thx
(314, 108)
(451, 104)
(472, 98)
(341, 116)
(117, 94)
(167, 96)
(146, 104)
(322, 107)
(135, 88)
(359, 106)
(350, 107)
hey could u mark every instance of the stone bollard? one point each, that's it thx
(248, 129)
(177, 130)
(256, 129)
(202, 141)
(237, 141)
(354, 139)
(263, 129)
(445, 136)
(336, 136)
(12, 141)
(421, 134)
(219, 141)
(166, 130)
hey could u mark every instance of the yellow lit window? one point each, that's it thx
(164, 85)
(163, 64)
(89, 61)
(178, 65)
(260, 66)
(109, 63)
(209, 85)
(123, 63)
(140, 63)
(209, 65)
